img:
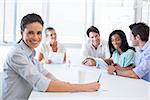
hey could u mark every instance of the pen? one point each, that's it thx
(84, 62)
(99, 78)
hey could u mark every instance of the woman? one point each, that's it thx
(23, 72)
(50, 51)
(122, 54)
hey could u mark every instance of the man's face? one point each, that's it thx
(94, 38)
(134, 40)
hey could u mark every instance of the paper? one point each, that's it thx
(101, 63)
(56, 57)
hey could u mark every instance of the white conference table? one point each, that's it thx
(112, 87)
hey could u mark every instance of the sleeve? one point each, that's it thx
(129, 59)
(143, 68)
(42, 69)
(29, 72)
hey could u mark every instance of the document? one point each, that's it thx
(101, 63)
(56, 57)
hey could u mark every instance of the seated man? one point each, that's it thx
(94, 47)
(139, 37)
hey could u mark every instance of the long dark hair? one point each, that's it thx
(28, 19)
(124, 45)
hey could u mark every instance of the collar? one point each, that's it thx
(28, 51)
(147, 44)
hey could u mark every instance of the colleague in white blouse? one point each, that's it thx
(51, 50)
(22, 72)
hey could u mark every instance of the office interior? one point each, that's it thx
(71, 18)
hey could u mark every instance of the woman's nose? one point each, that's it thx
(36, 36)
(53, 36)
(94, 38)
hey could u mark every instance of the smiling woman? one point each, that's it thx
(23, 72)
(32, 35)
(51, 51)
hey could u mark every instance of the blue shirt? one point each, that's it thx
(22, 73)
(124, 59)
(142, 68)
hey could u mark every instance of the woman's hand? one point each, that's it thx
(111, 69)
(48, 61)
(90, 87)
(109, 61)
(117, 66)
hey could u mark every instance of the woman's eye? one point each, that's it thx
(30, 33)
(39, 33)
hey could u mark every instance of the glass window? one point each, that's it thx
(145, 11)
(24, 7)
(113, 14)
(68, 18)
(1, 19)
(8, 20)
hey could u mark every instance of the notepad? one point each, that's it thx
(56, 57)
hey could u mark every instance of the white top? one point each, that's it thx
(47, 52)
(101, 52)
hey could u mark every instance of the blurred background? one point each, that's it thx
(71, 18)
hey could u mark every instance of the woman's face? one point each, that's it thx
(116, 41)
(32, 34)
(52, 35)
